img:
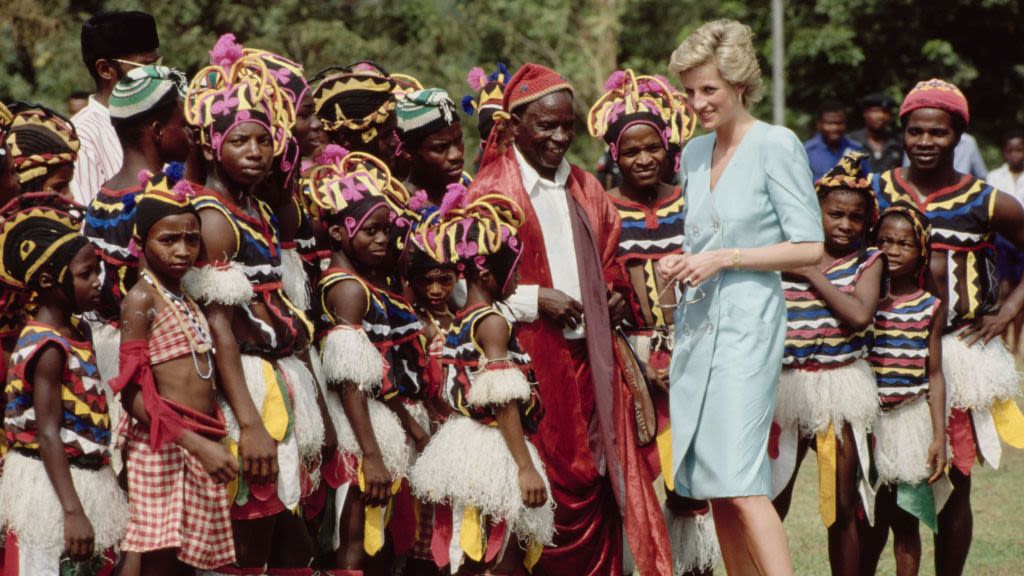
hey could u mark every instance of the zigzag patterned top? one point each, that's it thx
(85, 426)
(463, 359)
(110, 225)
(393, 327)
(648, 233)
(961, 217)
(815, 338)
(259, 256)
(899, 353)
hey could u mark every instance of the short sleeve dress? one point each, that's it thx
(728, 353)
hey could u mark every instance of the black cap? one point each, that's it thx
(115, 34)
(877, 99)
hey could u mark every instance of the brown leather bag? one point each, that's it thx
(636, 379)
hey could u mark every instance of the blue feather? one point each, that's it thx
(174, 172)
(467, 105)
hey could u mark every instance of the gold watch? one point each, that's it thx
(736, 259)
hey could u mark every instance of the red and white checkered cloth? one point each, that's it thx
(175, 504)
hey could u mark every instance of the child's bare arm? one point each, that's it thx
(857, 309)
(937, 395)
(46, 378)
(492, 335)
(348, 301)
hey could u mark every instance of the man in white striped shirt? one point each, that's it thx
(112, 44)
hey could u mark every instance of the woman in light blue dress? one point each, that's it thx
(751, 213)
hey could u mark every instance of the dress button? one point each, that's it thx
(709, 327)
(695, 230)
(716, 227)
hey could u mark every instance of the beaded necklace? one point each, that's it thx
(191, 323)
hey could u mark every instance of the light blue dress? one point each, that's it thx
(728, 347)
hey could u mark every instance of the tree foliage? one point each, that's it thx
(834, 48)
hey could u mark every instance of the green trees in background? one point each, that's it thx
(835, 48)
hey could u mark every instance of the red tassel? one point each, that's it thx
(495, 539)
(442, 537)
(773, 441)
(402, 525)
(961, 439)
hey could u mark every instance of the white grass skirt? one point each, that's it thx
(469, 464)
(813, 399)
(391, 437)
(694, 542)
(978, 376)
(902, 436)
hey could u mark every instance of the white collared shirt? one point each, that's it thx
(1003, 180)
(99, 156)
(551, 204)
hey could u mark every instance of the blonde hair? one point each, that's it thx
(730, 46)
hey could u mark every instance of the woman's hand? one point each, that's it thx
(376, 481)
(78, 535)
(693, 269)
(531, 487)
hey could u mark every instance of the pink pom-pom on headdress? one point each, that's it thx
(455, 197)
(418, 200)
(226, 51)
(615, 81)
(182, 190)
(476, 78)
(143, 176)
(331, 154)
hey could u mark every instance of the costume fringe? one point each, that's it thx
(309, 426)
(902, 436)
(294, 279)
(469, 464)
(499, 387)
(978, 376)
(391, 437)
(252, 368)
(106, 343)
(349, 356)
(814, 399)
(694, 542)
(226, 285)
(30, 508)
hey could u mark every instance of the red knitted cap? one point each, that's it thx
(939, 94)
(530, 83)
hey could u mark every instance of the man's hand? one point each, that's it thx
(618, 308)
(259, 454)
(658, 377)
(556, 305)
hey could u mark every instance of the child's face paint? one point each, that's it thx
(434, 287)
(369, 246)
(843, 217)
(897, 241)
(84, 269)
(172, 246)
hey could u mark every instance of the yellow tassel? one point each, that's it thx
(232, 486)
(1009, 422)
(664, 440)
(826, 443)
(275, 413)
(472, 535)
(533, 552)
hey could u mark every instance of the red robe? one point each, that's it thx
(577, 400)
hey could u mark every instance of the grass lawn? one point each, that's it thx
(998, 498)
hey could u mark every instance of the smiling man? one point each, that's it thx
(431, 142)
(566, 311)
(966, 213)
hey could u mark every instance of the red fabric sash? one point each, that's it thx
(167, 418)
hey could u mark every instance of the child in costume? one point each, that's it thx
(177, 464)
(640, 118)
(910, 433)
(827, 389)
(44, 146)
(270, 399)
(372, 355)
(494, 512)
(59, 499)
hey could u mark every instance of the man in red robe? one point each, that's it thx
(564, 304)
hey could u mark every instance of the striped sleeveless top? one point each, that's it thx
(899, 353)
(815, 338)
(393, 327)
(109, 225)
(463, 362)
(960, 216)
(647, 234)
(85, 424)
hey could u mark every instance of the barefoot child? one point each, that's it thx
(177, 465)
(59, 499)
(372, 351)
(906, 355)
(827, 390)
(484, 475)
